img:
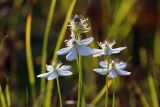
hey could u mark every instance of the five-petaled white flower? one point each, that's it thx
(75, 47)
(113, 69)
(106, 49)
(78, 25)
(55, 70)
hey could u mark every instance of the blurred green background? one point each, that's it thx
(131, 23)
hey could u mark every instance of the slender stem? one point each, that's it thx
(113, 100)
(106, 101)
(59, 92)
(79, 85)
(81, 79)
(81, 96)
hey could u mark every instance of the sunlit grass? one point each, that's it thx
(29, 55)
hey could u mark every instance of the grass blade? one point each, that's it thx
(153, 91)
(141, 95)
(58, 45)
(29, 55)
(101, 93)
(120, 16)
(2, 99)
(44, 49)
(8, 99)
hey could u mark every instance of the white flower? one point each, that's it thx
(113, 69)
(78, 25)
(75, 47)
(107, 49)
(55, 70)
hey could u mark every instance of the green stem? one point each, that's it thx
(113, 100)
(59, 92)
(106, 101)
(81, 96)
(82, 86)
(79, 84)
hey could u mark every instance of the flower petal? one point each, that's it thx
(122, 65)
(45, 75)
(112, 74)
(65, 67)
(64, 73)
(53, 76)
(72, 55)
(121, 72)
(84, 51)
(49, 68)
(64, 51)
(100, 71)
(86, 41)
(118, 50)
(97, 52)
(103, 64)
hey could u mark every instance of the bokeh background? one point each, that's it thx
(131, 23)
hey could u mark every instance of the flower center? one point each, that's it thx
(74, 42)
(77, 19)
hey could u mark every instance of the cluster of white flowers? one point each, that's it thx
(77, 46)
(110, 68)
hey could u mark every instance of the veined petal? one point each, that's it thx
(84, 51)
(72, 55)
(122, 65)
(86, 41)
(121, 72)
(45, 75)
(100, 71)
(64, 73)
(97, 52)
(64, 51)
(53, 76)
(65, 67)
(103, 64)
(112, 74)
(118, 50)
(49, 68)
